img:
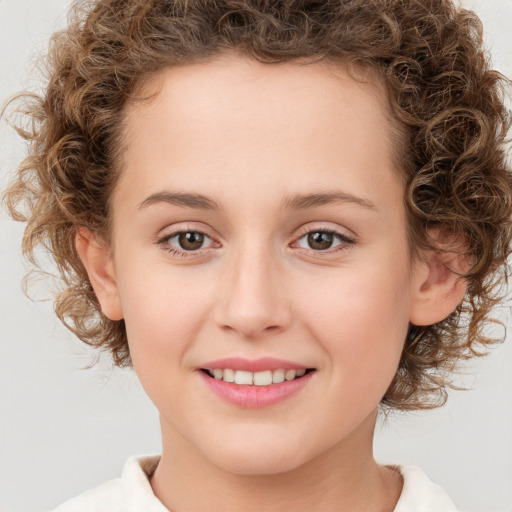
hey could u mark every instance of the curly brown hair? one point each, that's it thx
(446, 101)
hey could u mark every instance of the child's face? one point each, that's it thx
(255, 140)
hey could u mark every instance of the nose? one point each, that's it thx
(253, 303)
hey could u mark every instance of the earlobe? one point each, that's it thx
(438, 285)
(96, 258)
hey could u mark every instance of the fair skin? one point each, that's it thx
(251, 138)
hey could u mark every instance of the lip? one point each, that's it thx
(255, 397)
(252, 365)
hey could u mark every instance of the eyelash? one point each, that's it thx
(345, 241)
(164, 243)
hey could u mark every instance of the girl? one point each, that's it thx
(285, 216)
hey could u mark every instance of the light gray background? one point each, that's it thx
(64, 430)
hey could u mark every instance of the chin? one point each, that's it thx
(259, 458)
(257, 465)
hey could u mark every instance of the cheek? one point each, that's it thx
(163, 314)
(362, 321)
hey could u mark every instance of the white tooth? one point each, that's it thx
(218, 373)
(263, 378)
(300, 373)
(290, 374)
(229, 375)
(278, 376)
(243, 377)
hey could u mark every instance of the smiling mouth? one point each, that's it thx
(262, 378)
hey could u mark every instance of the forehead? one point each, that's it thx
(245, 89)
(207, 124)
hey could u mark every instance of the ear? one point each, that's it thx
(96, 258)
(438, 287)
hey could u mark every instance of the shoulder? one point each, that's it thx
(131, 492)
(420, 494)
(107, 496)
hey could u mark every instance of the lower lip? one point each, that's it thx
(255, 397)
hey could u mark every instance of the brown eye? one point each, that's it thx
(190, 240)
(186, 243)
(320, 240)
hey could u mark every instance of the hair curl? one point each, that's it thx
(445, 99)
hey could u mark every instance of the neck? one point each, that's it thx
(345, 478)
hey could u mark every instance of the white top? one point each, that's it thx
(133, 493)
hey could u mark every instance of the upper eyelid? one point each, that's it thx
(304, 230)
(169, 232)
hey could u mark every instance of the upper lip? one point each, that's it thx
(253, 365)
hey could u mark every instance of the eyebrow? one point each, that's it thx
(297, 202)
(187, 200)
(303, 201)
